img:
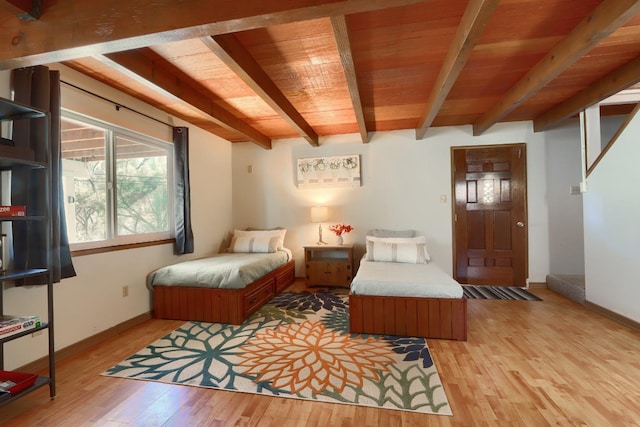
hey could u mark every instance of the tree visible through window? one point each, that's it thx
(116, 184)
(142, 196)
(88, 204)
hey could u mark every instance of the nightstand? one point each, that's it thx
(329, 265)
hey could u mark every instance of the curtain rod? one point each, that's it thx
(117, 104)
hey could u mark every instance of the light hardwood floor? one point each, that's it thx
(524, 364)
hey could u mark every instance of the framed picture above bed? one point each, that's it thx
(334, 171)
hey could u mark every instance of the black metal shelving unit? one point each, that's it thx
(10, 159)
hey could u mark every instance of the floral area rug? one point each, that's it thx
(296, 346)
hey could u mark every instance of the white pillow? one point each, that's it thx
(397, 249)
(280, 233)
(259, 244)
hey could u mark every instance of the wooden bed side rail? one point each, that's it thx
(220, 305)
(198, 304)
(441, 318)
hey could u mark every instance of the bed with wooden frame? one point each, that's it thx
(225, 288)
(394, 303)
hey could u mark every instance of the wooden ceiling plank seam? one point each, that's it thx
(154, 76)
(239, 60)
(616, 81)
(74, 29)
(472, 26)
(341, 33)
(598, 25)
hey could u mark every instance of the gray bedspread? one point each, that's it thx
(404, 280)
(226, 271)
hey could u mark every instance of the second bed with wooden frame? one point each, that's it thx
(415, 299)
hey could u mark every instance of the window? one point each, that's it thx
(117, 184)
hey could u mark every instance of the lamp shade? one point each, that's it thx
(319, 213)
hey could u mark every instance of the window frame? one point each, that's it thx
(112, 241)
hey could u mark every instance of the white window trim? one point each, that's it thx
(111, 131)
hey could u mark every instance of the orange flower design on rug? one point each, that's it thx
(297, 346)
(308, 356)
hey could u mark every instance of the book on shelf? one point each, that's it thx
(13, 210)
(11, 325)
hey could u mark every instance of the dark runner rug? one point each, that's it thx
(498, 292)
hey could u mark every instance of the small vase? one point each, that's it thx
(340, 240)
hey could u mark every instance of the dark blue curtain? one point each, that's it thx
(40, 88)
(184, 234)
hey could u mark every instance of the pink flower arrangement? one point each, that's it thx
(338, 229)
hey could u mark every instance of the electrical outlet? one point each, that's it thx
(125, 291)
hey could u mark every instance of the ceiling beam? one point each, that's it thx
(603, 21)
(30, 10)
(471, 27)
(73, 29)
(141, 66)
(341, 33)
(235, 56)
(614, 82)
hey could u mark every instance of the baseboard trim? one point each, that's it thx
(538, 285)
(625, 321)
(73, 349)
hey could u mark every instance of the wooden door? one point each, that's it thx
(490, 218)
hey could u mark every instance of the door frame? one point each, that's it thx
(454, 267)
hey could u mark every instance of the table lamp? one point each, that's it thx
(319, 214)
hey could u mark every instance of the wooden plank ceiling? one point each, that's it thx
(259, 70)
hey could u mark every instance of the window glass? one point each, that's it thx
(142, 196)
(84, 181)
(116, 183)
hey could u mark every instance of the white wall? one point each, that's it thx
(92, 301)
(566, 228)
(609, 125)
(563, 159)
(612, 234)
(403, 180)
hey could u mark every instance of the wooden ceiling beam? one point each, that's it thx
(603, 21)
(471, 27)
(73, 29)
(235, 56)
(140, 66)
(341, 33)
(620, 79)
(30, 10)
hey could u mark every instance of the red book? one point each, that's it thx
(13, 210)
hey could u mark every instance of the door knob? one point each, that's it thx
(520, 224)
